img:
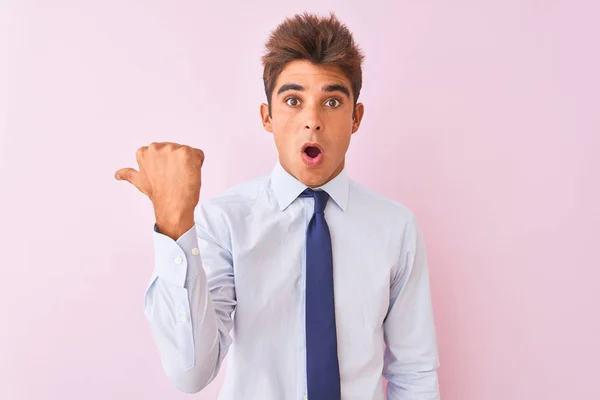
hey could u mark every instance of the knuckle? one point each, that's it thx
(140, 152)
(158, 146)
(183, 151)
(170, 145)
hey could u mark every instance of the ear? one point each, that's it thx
(265, 118)
(358, 115)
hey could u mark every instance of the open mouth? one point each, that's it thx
(312, 152)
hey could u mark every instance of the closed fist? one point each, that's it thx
(169, 174)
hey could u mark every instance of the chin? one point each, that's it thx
(309, 176)
(312, 177)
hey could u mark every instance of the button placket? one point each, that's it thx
(183, 317)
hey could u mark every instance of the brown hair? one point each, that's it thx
(320, 40)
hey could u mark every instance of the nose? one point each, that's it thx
(313, 121)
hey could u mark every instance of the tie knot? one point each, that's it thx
(320, 197)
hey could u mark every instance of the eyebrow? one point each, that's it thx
(327, 88)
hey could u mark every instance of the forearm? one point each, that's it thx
(174, 223)
(185, 330)
(190, 328)
(411, 355)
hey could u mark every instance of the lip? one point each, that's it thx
(310, 144)
(312, 162)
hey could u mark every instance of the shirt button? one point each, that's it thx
(195, 251)
(182, 317)
(178, 260)
(305, 396)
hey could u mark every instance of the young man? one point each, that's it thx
(302, 275)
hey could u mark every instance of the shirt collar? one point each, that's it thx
(287, 188)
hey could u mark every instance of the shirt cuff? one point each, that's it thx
(175, 261)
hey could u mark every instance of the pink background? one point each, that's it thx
(481, 118)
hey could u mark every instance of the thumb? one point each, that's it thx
(132, 176)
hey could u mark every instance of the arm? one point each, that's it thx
(189, 302)
(411, 355)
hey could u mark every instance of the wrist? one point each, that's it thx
(174, 225)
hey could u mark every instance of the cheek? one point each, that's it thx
(340, 137)
(341, 144)
(287, 122)
(285, 140)
(285, 128)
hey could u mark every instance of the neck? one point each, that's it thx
(335, 173)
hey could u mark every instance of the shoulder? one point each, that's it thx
(368, 200)
(215, 217)
(390, 221)
(242, 192)
(239, 196)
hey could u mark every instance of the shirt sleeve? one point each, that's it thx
(411, 355)
(189, 310)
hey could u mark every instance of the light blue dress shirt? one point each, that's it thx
(235, 284)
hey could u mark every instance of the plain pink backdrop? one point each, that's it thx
(483, 119)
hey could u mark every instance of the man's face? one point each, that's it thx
(311, 120)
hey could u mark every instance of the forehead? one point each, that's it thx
(310, 75)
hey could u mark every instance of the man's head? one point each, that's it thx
(312, 76)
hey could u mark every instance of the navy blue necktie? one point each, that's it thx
(322, 368)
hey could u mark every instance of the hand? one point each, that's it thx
(170, 176)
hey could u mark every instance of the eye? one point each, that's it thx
(292, 101)
(333, 103)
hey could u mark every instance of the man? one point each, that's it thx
(303, 275)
